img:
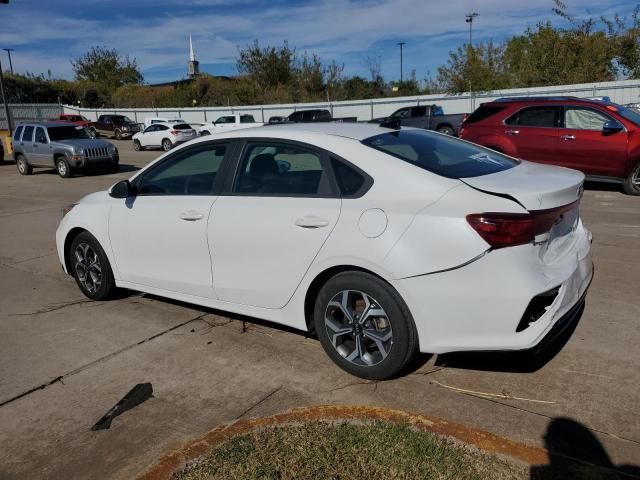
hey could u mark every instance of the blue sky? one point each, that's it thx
(47, 34)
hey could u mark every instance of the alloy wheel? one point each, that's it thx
(62, 168)
(22, 165)
(358, 327)
(87, 267)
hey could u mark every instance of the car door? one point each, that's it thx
(26, 143)
(265, 233)
(586, 147)
(159, 237)
(148, 136)
(42, 151)
(534, 133)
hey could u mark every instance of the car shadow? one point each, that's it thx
(527, 361)
(602, 186)
(576, 453)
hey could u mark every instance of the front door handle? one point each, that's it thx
(191, 216)
(568, 137)
(311, 222)
(512, 132)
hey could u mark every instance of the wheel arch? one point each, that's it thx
(71, 234)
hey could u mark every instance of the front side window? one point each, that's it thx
(41, 137)
(189, 172)
(27, 136)
(17, 133)
(442, 155)
(280, 169)
(67, 132)
(536, 117)
(227, 119)
(403, 112)
(584, 119)
(419, 111)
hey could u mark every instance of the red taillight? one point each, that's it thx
(509, 229)
(503, 229)
(173, 132)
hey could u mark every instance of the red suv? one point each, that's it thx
(599, 138)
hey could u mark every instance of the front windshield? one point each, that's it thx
(632, 115)
(67, 132)
(440, 154)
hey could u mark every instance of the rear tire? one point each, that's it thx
(23, 166)
(446, 130)
(374, 345)
(167, 145)
(63, 167)
(631, 184)
(91, 268)
(205, 133)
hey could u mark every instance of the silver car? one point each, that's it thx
(61, 145)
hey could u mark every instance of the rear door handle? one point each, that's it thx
(311, 222)
(568, 137)
(191, 216)
(512, 132)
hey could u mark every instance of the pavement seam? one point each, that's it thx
(97, 361)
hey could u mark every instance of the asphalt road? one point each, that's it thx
(65, 361)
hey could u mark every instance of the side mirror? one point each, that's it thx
(122, 189)
(612, 126)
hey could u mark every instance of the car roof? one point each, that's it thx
(353, 130)
(550, 99)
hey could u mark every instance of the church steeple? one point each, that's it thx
(193, 65)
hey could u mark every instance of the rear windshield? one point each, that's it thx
(482, 112)
(67, 132)
(181, 126)
(440, 154)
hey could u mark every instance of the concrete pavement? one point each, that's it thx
(64, 361)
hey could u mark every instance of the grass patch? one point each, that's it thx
(345, 451)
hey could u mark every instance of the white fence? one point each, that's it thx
(624, 91)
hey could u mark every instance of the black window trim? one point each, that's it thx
(33, 132)
(517, 112)
(220, 175)
(586, 107)
(19, 128)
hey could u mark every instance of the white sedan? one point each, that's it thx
(384, 242)
(164, 135)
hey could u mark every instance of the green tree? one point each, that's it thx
(107, 67)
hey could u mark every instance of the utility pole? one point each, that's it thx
(9, 50)
(402, 44)
(469, 19)
(4, 100)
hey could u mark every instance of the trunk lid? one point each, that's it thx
(534, 186)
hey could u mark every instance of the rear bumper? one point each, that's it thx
(479, 306)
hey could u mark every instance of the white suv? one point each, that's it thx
(163, 135)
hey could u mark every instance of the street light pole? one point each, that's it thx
(402, 44)
(9, 50)
(4, 100)
(469, 19)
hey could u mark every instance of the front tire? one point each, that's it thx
(23, 166)
(117, 134)
(205, 133)
(631, 184)
(94, 133)
(446, 130)
(364, 326)
(167, 145)
(63, 167)
(91, 268)
(137, 146)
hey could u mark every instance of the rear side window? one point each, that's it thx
(181, 126)
(350, 181)
(247, 119)
(483, 112)
(536, 117)
(17, 133)
(27, 136)
(442, 155)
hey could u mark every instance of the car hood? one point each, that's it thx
(534, 186)
(85, 143)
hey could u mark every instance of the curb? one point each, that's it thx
(176, 459)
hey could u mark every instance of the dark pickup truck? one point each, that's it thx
(117, 126)
(430, 117)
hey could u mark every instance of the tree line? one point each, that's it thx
(582, 51)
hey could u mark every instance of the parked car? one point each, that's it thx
(116, 126)
(599, 138)
(278, 119)
(151, 120)
(384, 242)
(314, 115)
(75, 119)
(163, 135)
(229, 122)
(61, 145)
(430, 117)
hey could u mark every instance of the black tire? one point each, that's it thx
(137, 146)
(87, 243)
(94, 132)
(63, 167)
(402, 343)
(23, 166)
(167, 145)
(631, 185)
(117, 134)
(205, 133)
(446, 130)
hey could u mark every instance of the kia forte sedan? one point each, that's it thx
(382, 241)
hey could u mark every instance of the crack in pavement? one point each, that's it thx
(259, 402)
(56, 307)
(98, 360)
